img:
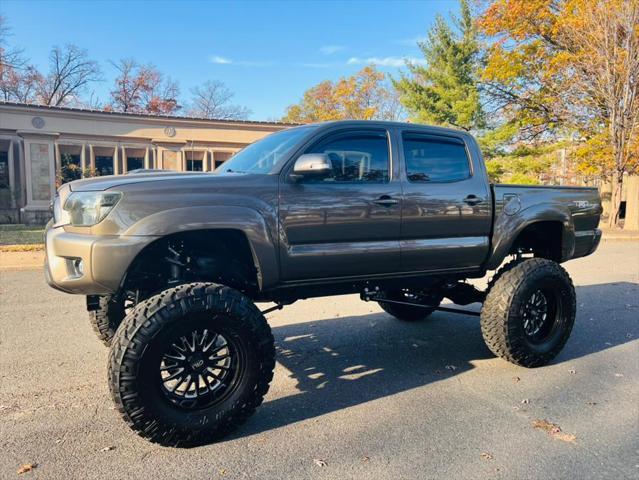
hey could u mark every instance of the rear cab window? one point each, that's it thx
(435, 159)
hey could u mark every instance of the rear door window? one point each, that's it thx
(435, 159)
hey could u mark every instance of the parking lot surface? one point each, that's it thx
(356, 394)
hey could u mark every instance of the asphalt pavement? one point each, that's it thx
(356, 394)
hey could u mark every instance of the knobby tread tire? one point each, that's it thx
(498, 318)
(106, 319)
(160, 311)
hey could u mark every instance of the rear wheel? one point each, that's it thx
(410, 313)
(189, 365)
(529, 312)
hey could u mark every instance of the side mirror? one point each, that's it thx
(314, 165)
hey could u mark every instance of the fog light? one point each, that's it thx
(75, 266)
(79, 266)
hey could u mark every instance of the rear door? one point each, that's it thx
(348, 223)
(447, 204)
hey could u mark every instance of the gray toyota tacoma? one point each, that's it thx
(172, 264)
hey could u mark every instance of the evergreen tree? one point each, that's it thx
(444, 90)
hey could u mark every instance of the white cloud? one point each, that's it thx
(220, 60)
(331, 49)
(385, 61)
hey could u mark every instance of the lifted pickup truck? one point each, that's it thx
(403, 214)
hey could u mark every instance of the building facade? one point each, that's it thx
(40, 147)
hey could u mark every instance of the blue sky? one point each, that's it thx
(267, 52)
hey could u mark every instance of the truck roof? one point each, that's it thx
(388, 123)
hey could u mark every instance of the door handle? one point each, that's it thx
(472, 200)
(386, 201)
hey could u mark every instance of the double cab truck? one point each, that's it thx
(173, 264)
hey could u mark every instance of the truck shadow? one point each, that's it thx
(338, 363)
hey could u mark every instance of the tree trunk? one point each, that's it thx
(615, 199)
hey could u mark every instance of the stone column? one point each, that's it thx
(212, 160)
(91, 158)
(205, 161)
(12, 176)
(146, 158)
(632, 203)
(83, 158)
(116, 160)
(58, 159)
(125, 167)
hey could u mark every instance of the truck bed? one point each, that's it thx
(579, 207)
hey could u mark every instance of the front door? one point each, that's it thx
(348, 222)
(446, 219)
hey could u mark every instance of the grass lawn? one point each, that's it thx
(21, 235)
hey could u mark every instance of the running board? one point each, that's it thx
(462, 311)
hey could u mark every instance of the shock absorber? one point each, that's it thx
(176, 265)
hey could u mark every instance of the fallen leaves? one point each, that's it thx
(27, 467)
(486, 456)
(107, 448)
(516, 379)
(554, 430)
(320, 462)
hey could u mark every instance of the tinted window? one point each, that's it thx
(263, 155)
(430, 159)
(355, 157)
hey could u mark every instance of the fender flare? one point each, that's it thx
(246, 220)
(508, 227)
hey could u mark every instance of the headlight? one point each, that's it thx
(88, 208)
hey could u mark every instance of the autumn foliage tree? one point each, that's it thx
(143, 89)
(569, 67)
(70, 72)
(364, 96)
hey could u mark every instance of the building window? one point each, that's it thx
(194, 161)
(70, 168)
(103, 165)
(193, 165)
(134, 163)
(4, 170)
(221, 157)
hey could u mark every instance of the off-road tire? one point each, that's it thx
(143, 404)
(502, 322)
(106, 319)
(408, 313)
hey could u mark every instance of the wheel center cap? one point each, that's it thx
(196, 362)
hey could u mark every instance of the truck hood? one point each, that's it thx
(110, 181)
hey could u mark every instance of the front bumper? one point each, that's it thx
(89, 264)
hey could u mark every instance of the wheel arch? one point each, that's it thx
(242, 228)
(544, 229)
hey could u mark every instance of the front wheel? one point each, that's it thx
(529, 312)
(106, 318)
(190, 364)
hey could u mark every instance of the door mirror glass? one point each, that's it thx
(314, 165)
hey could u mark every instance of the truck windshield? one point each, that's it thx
(261, 156)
